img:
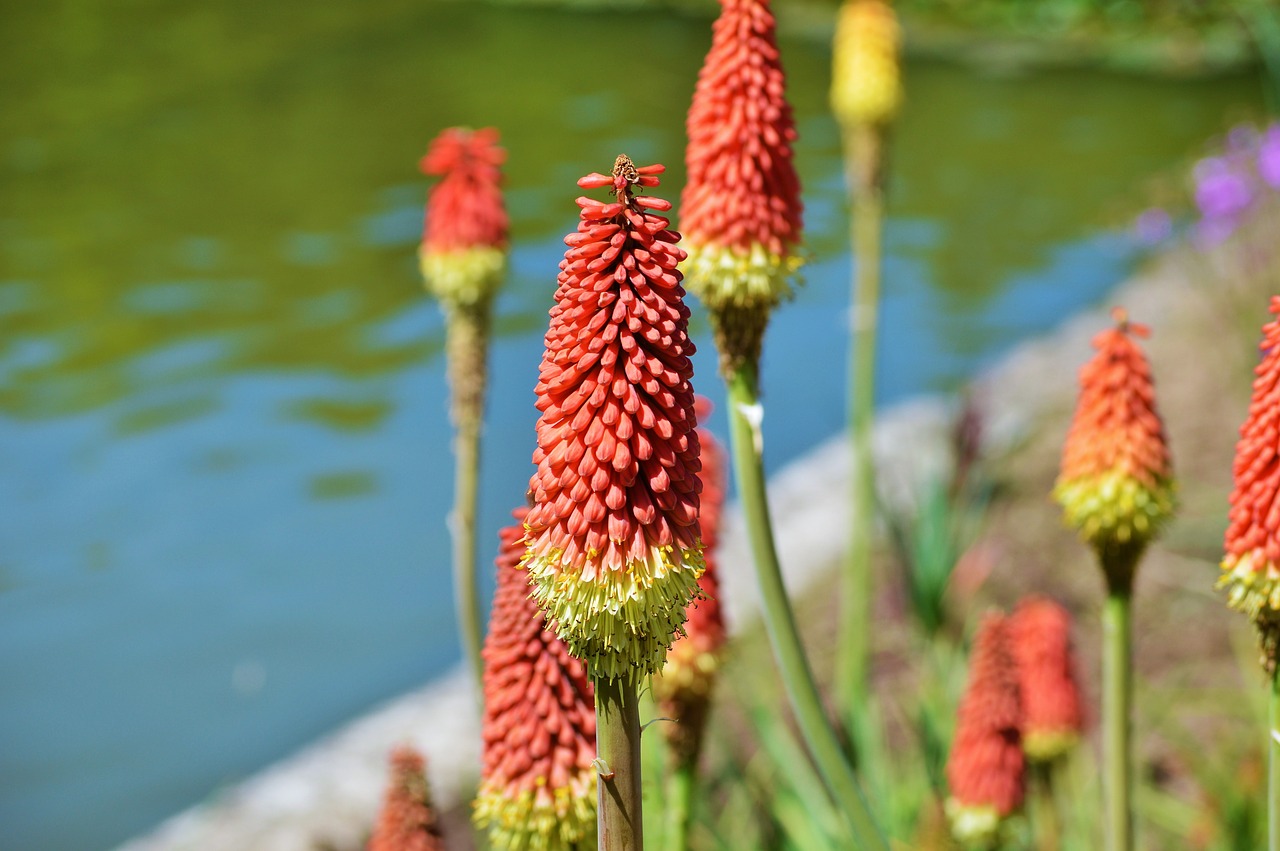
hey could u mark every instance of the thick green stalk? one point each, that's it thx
(684, 783)
(621, 826)
(1117, 700)
(797, 677)
(1044, 807)
(1273, 768)
(853, 658)
(467, 342)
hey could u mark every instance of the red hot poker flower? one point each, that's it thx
(1116, 482)
(407, 821)
(985, 769)
(741, 209)
(1251, 565)
(1053, 717)
(464, 238)
(683, 690)
(613, 537)
(537, 787)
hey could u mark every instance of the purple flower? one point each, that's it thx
(1269, 156)
(1222, 192)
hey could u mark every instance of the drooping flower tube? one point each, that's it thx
(985, 770)
(1251, 565)
(614, 551)
(464, 235)
(683, 689)
(407, 820)
(866, 86)
(537, 786)
(1052, 714)
(740, 211)
(1116, 480)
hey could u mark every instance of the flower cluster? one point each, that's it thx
(985, 770)
(464, 237)
(407, 821)
(1052, 713)
(613, 544)
(1251, 566)
(537, 788)
(1116, 480)
(865, 84)
(741, 210)
(683, 690)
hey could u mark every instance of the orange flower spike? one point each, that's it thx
(985, 769)
(1116, 480)
(614, 551)
(407, 821)
(1251, 564)
(1053, 717)
(464, 238)
(741, 209)
(683, 689)
(537, 786)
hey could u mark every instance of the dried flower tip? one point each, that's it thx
(614, 550)
(407, 821)
(537, 787)
(1116, 481)
(865, 81)
(464, 238)
(1251, 563)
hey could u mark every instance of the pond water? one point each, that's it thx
(223, 434)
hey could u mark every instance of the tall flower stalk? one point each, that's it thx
(613, 547)
(537, 785)
(1251, 565)
(1116, 489)
(683, 689)
(866, 93)
(741, 215)
(463, 257)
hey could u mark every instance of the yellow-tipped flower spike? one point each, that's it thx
(1116, 482)
(1251, 566)
(866, 85)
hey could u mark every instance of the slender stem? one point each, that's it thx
(853, 659)
(1117, 700)
(621, 826)
(684, 782)
(1048, 827)
(797, 677)
(1273, 768)
(467, 334)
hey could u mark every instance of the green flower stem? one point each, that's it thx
(853, 658)
(621, 826)
(1117, 708)
(683, 786)
(1273, 768)
(466, 344)
(797, 677)
(1044, 812)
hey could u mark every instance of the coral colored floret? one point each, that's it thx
(740, 211)
(683, 689)
(1116, 480)
(407, 821)
(614, 549)
(537, 787)
(464, 237)
(1053, 717)
(985, 770)
(1251, 564)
